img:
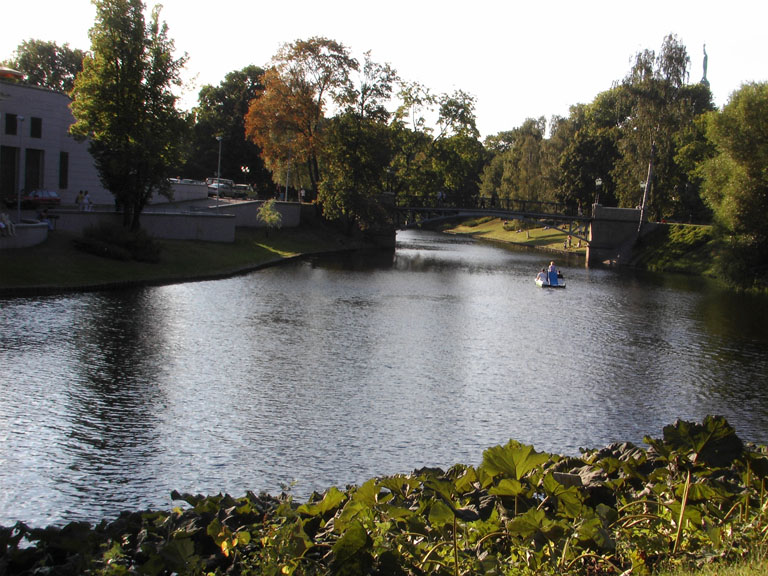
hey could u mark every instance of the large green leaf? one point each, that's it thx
(352, 552)
(713, 442)
(330, 502)
(360, 505)
(535, 522)
(440, 514)
(569, 500)
(400, 484)
(514, 460)
(507, 487)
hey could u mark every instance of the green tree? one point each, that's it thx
(427, 164)
(583, 148)
(459, 162)
(221, 111)
(269, 216)
(47, 64)
(735, 182)
(358, 151)
(661, 106)
(517, 173)
(124, 104)
(412, 172)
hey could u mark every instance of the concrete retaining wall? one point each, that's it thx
(613, 233)
(169, 225)
(246, 213)
(183, 191)
(25, 235)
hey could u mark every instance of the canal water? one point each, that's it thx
(330, 371)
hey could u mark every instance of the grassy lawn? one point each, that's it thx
(56, 264)
(753, 567)
(493, 229)
(675, 248)
(681, 248)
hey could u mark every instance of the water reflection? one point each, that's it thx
(112, 400)
(334, 370)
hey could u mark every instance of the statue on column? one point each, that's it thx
(704, 78)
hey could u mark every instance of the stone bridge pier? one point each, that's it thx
(613, 233)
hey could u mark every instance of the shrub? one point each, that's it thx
(119, 243)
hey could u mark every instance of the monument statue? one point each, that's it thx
(706, 58)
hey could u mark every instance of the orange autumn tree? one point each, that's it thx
(286, 120)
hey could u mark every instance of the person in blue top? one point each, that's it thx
(552, 274)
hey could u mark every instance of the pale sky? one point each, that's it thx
(519, 59)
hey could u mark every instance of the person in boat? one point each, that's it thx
(552, 274)
(542, 276)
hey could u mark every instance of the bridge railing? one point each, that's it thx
(501, 204)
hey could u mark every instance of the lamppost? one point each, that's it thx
(598, 186)
(245, 170)
(22, 169)
(218, 173)
(287, 178)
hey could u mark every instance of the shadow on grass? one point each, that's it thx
(57, 266)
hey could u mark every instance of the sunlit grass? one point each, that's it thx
(679, 248)
(539, 237)
(57, 264)
(751, 567)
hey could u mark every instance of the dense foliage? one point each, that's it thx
(696, 495)
(47, 64)
(736, 182)
(221, 112)
(124, 104)
(119, 243)
(603, 150)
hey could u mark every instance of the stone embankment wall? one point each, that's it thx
(209, 223)
(613, 233)
(24, 235)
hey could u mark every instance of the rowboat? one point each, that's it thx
(542, 284)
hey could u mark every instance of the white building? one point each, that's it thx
(36, 150)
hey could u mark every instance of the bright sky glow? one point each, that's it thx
(519, 59)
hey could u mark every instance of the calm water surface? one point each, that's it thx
(331, 371)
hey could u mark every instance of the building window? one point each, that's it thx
(10, 124)
(34, 169)
(63, 170)
(9, 170)
(36, 127)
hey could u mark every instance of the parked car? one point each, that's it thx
(219, 186)
(242, 191)
(40, 199)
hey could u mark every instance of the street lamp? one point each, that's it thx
(598, 186)
(218, 172)
(22, 169)
(245, 170)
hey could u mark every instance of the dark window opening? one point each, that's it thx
(36, 127)
(63, 170)
(33, 173)
(11, 122)
(9, 171)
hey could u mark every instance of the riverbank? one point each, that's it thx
(57, 266)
